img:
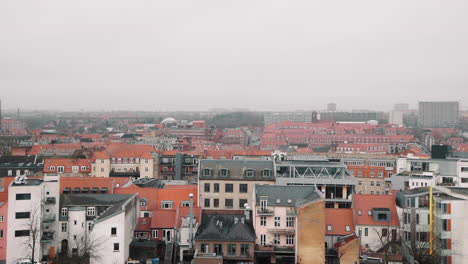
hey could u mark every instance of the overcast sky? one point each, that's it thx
(200, 54)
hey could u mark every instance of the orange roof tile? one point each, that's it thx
(365, 203)
(163, 219)
(339, 219)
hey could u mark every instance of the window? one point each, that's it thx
(216, 203)
(277, 221)
(83, 168)
(369, 212)
(64, 227)
(372, 183)
(223, 172)
(167, 235)
(113, 231)
(380, 174)
(154, 233)
(207, 202)
(51, 168)
(384, 232)
(21, 233)
(232, 249)
(90, 226)
(266, 173)
(1, 233)
(218, 249)
(263, 239)
(229, 187)
(60, 169)
(116, 247)
(216, 187)
(242, 203)
(277, 239)
(10, 173)
(329, 228)
(359, 212)
(417, 219)
(204, 248)
(167, 204)
(185, 203)
(290, 221)
(360, 232)
(228, 203)
(102, 169)
(243, 188)
(262, 220)
(290, 240)
(372, 174)
(366, 231)
(244, 250)
(22, 215)
(359, 173)
(146, 169)
(348, 228)
(143, 202)
(1, 218)
(75, 169)
(206, 172)
(64, 212)
(23, 196)
(75, 222)
(91, 211)
(207, 187)
(445, 225)
(359, 182)
(249, 173)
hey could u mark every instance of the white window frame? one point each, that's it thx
(64, 212)
(170, 204)
(52, 168)
(60, 169)
(154, 233)
(64, 227)
(263, 239)
(277, 239)
(91, 211)
(75, 169)
(289, 239)
(83, 168)
(262, 220)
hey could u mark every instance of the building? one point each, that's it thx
(229, 184)
(275, 221)
(225, 237)
(339, 224)
(331, 107)
(3, 231)
(396, 117)
(11, 166)
(330, 177)
(447, 237)
(353, 116)
(376, 220)
(175, 165)
(124, 160)
(439, 114)
(68, 167)
(401, 107)
(298, 116)
(32, 213)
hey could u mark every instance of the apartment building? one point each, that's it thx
(275, 221)
(447, 238)
(175, 165)
(3, 231)
(124, 160)
(225, 237)
(229, 184)
(68, 167)
(439, 114)
(330, 177)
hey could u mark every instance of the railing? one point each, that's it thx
(265, 211)
(49, 200)
(47, 236)
(48, 218)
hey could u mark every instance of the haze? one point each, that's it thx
(261, 55)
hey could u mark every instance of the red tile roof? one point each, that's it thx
(67, 164)
(339, 219)
(365, 203)
(111, 183)
(163, 219)
(144, 224)
(185, 211)
(122, 150)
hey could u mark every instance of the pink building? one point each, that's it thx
(3, 230)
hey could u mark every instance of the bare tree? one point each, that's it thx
(420, 252)
(88, 249)
(33, 226)
(389, 241)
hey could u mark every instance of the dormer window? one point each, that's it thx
(266, 173)
(249, 173)
(224, 172)
(64, 212)
(52, 168)
(359, 212)
(143, 202)
(207, 172)
(369, 212)
(91, 211)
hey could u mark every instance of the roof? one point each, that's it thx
(123, 150)
(225, 227)
(339, 219)
(111, 183)
(368, 202)
(183, 212)
(163, 219)
(143, 224)
(237, 168)
(67, 164)
(290, 195)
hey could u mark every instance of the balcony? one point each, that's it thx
(48, 218)
(272, 248)
(265, 211)
(124, 174)
(47, 237)
(49, 200)
(289, 230)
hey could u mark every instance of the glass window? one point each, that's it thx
(207, 202)
(216, 203)
(22, 215)
(262, 220)
(113, 231)
(242, 203)
(290, 221)
(243, 188)
(290, 239)
(229, 187)
(23, 196)
(207, 187)
(277, 221)
(232, 249)
(228, 203)
(91, 211)
(216, 187)
(116, 246)
(64, 227)
(277, 239)
(244, 250)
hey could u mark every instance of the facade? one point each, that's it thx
(123, 160)
(3, 231)
(178, 166)
(11, 166)
(68, 167)
(330, 177)
(225, 237)
(275, 220)
(271, 118)
(229, 184)
(439, 114)
(448, 233)
(376, 220)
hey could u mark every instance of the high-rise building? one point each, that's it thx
(438, 114)
(331, 107)
(401, 107)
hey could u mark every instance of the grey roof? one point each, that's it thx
(28, 182)
(318, 163)
(279, 195)
(223, 227)
(149, 183)
(237, 168)
(113, 201)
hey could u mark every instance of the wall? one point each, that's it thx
(349, 252)
(3, 228)
(310, 232)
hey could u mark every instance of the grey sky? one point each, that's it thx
(195, 55)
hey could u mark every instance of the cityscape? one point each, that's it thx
(233, 132)
(325, 186)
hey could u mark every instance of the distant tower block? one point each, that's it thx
(331, 107)
(401, 107)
